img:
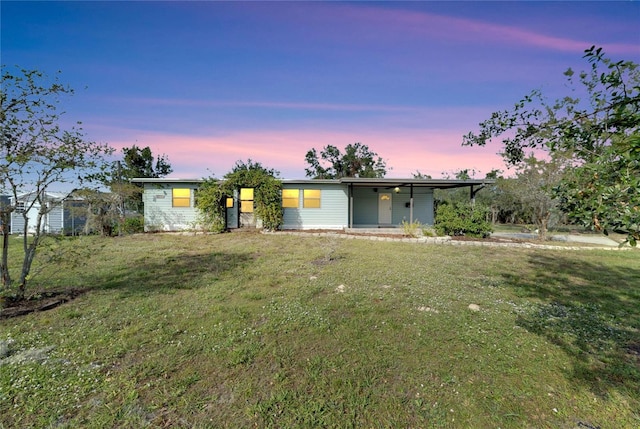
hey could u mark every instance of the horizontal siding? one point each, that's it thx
(159, 213)
(422, 206)
(53, 220)
(332, 214)
(365, 206)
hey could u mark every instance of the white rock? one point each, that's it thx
(474, 307)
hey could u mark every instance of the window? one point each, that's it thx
(229, 203)
(311, 199)
(290, 198)
(20, 206)
(181, 197)
(246, 200)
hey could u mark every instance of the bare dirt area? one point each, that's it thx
(41, 301)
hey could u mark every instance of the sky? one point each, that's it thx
(210, 83)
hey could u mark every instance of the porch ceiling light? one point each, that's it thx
(396, 190)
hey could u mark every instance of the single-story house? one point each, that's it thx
(169, 204)
(64, 213)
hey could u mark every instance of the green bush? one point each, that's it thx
(209, 202)
(462, 219)
(133, 225)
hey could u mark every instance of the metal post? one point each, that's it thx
(351, 205)
(411, 203)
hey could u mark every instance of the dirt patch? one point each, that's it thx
(42, 301)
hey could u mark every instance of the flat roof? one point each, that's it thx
(356, 181)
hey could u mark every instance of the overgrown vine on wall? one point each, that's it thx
(267, 195)
(210, 205)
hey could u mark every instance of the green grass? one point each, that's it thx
(252, 330)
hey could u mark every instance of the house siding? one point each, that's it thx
(54, 219)
(332, 213)
(365, 210)
(337, 210)
(53, 222)
(422, 206)
(17, 223)
(365, 207)
(159, 213)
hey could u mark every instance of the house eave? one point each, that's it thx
(356, 181)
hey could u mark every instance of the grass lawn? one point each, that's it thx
(251, 330)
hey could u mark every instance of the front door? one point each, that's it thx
(384, 209)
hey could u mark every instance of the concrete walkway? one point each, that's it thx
(598, 242)
(601, 240)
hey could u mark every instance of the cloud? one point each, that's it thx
(406, 151)
(393, 24)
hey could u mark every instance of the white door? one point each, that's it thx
(384, 209)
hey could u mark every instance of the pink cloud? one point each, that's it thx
(394, 23)
(428, 151)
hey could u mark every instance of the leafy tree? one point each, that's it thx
(420, 175)
(533, 188)
(356, 161)
(455, 195)
(601, 133)
(36, 153)
(140, 162)
(250, 174)
(136, 163)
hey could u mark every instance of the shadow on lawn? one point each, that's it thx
(152, 274)
(590, 310)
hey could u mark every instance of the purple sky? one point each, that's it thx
(209, 83)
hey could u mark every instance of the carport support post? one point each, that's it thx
(350, 205)
(411, 203)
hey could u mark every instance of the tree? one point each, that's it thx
(356, 161)
(420, 175)
(140, 162)
(601, 134)
(533, 188)
(136, 163)
(267, 195)
(36, 153)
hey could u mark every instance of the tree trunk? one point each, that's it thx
(542, 228)
(4, 265)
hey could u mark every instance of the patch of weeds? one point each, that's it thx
(411, 229)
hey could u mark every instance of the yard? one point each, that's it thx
(252, 330)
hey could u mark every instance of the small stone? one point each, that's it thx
(474, 307)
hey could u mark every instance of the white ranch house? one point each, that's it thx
(169, 204)
(61, 214)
